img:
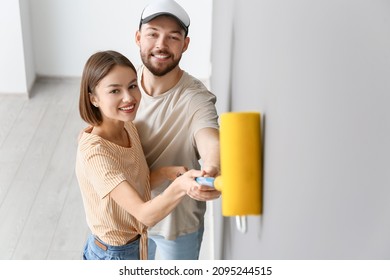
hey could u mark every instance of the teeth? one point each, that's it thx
(161, 56)
(127, 108)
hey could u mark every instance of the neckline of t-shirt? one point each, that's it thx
(112, 143)
(169, 91)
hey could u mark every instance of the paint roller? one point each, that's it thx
(240, 179)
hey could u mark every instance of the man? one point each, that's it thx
(177, 123)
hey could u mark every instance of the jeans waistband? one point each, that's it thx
(104, 247)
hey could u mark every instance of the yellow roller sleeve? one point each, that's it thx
(240, 180)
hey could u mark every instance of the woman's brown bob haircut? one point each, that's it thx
(95, 69)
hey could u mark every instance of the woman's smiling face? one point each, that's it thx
(117, 95)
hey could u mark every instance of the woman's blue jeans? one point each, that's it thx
(94, 252)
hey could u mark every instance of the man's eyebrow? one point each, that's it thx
(178, 31)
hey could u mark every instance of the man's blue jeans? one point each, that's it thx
(185, 247)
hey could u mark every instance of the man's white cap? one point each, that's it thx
(165, 7)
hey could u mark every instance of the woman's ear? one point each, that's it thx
(93, 100)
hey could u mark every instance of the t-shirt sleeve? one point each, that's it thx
(103, 170)
(204, 113)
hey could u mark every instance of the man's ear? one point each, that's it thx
(137, 37)
(186, 43)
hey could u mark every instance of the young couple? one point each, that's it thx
(132, 167)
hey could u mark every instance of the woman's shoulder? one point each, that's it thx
(91, 143)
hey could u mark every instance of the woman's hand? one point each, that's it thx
(203, 193)
(195, 190)
(186, 181)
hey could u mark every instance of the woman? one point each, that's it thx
(111, 168)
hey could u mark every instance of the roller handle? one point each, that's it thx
(205, 181)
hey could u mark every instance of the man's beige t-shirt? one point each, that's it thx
(100, 166)
(167, 125)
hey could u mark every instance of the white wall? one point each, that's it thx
(66, 33)
(13, 78)
(319, 73)
(54, 38)
(27, 43)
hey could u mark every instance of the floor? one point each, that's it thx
(41, 211)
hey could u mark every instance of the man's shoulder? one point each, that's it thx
(195, 86)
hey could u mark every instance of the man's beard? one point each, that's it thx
(158, 71)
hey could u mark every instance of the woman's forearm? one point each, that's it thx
(166, 173)
(151, 212)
